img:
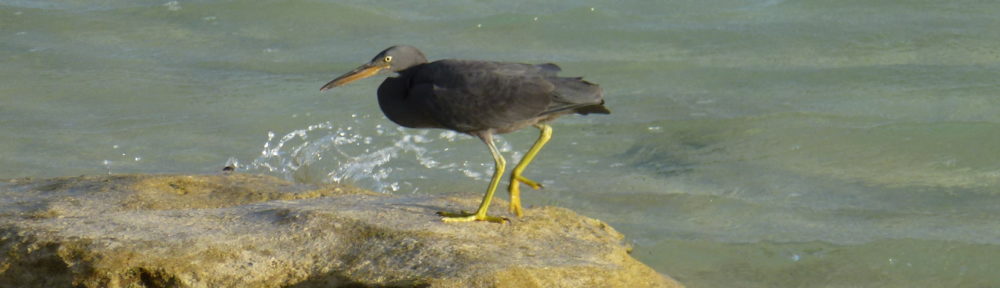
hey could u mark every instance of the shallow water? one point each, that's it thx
(752, 143)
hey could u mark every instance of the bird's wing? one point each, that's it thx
(569, 93)
(477, 95)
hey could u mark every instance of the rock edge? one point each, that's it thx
(244, 230)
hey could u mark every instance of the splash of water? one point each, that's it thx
(366, 155)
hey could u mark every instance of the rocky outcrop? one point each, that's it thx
(259, 231)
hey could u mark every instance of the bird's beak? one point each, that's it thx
(362, 72)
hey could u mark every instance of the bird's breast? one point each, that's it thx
(394, 98)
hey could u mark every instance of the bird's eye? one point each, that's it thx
(387, 59)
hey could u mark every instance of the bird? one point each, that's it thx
(478, 98)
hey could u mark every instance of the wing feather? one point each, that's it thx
(478, 95)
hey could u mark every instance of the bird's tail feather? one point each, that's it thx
(574, 93)
(595, 109)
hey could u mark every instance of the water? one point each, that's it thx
(752, 143)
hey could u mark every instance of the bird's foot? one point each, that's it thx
(465, 216)
(515, 200)
(526, 181)
(515, 193)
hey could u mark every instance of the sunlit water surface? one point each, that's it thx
(752, 143)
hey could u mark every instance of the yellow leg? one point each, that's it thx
(480, 215)
(515, 176)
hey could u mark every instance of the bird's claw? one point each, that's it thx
(515, 192)
(465, 216)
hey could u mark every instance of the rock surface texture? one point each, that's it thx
(258, 231)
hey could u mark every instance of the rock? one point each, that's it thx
(258, 231)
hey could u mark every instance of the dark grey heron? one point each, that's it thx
(479, 98)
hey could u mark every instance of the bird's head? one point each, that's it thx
(395, 59)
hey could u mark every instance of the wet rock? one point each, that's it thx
(257, 231)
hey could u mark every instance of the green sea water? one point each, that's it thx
(752, 143)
